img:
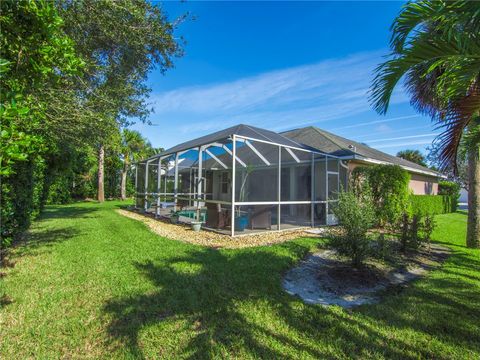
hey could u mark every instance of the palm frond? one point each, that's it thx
(413, 15)
(460, 63)
(458, 115)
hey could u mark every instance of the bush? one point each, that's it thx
(432, 204)
(416, 230)
(388, 185)
(451, 189)
(22, 198)
(429, 225)
(356, 215)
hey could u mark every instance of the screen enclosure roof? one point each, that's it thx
(241, 130)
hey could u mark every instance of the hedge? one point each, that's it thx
(433, 204)
(388, 185)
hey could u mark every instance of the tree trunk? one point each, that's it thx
(473, 226)
(101, 159)
(123, 183)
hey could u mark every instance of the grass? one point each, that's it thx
(93, 284)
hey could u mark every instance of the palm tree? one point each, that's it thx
(413, 156)
(436, 49)
(132, 147)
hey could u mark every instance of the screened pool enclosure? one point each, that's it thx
(241, 180)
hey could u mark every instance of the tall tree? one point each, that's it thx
(413, 156)
(436, 48)
(35, 56)
(101, 173)
(133, 148)
(121, 41)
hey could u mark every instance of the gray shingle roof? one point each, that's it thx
(339, 146)
(240, 130)
(309, 138)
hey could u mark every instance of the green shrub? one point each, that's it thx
(451, 189)
(388, 185)
(356, 215)
(415, 230)
(404, 231)
(429, 225)
(432, 204)
(22, 198)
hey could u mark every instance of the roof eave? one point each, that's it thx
(408, 168)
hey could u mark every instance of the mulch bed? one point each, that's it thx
(327, 279)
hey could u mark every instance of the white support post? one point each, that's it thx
(259, 154)
(136, 182)
(175, 183)
(292, 154)
(326, 190)
(199, 181)
(279, 183)
(234, 156)
(145, 205)
(216, 159)
(312, 191)
(159, 181)
(347, 174)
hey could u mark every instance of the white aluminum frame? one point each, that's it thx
(199, 196)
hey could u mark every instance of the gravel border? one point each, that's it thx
(183, 232)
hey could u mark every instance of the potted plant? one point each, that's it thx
(196, 225)
(241, 221)
(174, 216)
(241, 217)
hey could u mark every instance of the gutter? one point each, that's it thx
(408, 168)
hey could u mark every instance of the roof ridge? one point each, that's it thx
(401, 160)
(254, 128)
(326, 134)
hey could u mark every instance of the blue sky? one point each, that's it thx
(281, 65)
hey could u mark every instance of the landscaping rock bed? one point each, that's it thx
(183, 232)
(324, 278)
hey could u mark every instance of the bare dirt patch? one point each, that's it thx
(325, 278)
(183, 232)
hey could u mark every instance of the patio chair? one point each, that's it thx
(261, 217)
(217, 217)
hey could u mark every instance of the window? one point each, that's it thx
(224, 183)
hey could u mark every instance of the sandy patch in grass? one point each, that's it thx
(324, 278)
(184, 233)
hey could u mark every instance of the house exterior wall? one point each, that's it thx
(419, 184)
(423, 184)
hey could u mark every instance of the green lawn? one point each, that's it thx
(91, 283)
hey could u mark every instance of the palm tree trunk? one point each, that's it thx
(473, 225)
(123, 182)
(101, 159)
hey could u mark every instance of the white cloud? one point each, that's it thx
(329, 93)
(373, 122)
(429, 135)
(280, 99)
(403, 144)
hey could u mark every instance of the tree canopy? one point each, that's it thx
(435, 48)
(73, 78)
(412, 155)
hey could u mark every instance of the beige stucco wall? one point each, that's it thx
(423, 184)
(419, 184)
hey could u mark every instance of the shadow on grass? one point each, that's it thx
(208, 296)
(206, 287)
(64, 212)
(41, 239)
